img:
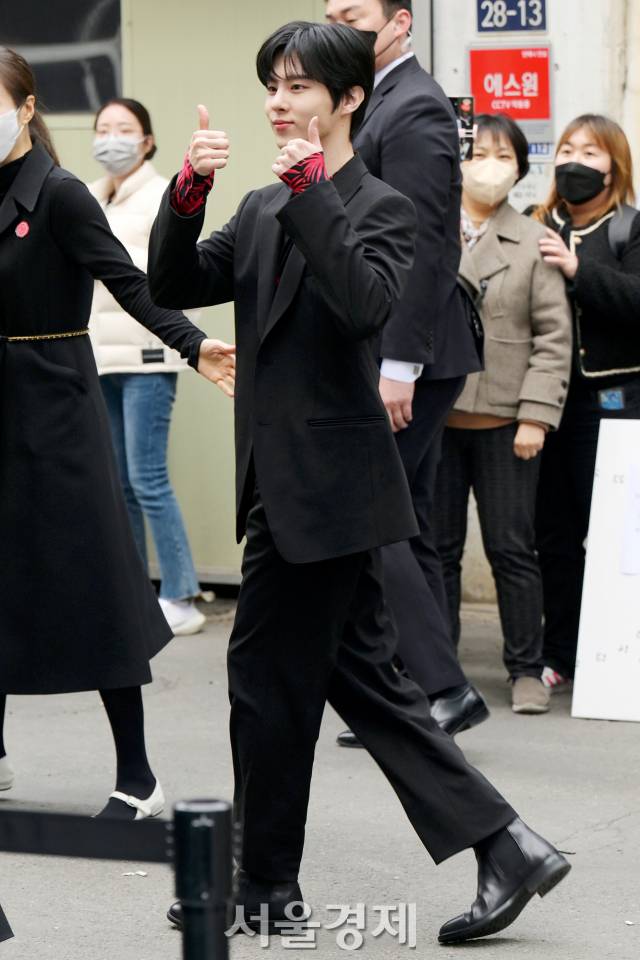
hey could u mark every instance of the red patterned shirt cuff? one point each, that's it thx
(190, 192)
(306, 173)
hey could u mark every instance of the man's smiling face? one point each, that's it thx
(293, 100)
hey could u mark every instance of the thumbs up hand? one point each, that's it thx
(297, 150)
(209, 149)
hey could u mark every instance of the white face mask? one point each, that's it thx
(118, 155)
(489, 181)
(9, 132)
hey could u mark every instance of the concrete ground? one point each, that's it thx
(577, 782)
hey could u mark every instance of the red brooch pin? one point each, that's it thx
(22, 229)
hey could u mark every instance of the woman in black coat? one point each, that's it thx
(594, 240)
(77, 611)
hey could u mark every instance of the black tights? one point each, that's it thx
(126, 717)
(3, 704)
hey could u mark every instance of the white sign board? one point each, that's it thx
(535, 187)
(607, 681)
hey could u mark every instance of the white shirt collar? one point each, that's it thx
(381, 74)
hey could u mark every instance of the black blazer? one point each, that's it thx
(309, 419)
(409, 139)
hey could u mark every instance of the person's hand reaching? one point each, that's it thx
(217, 363)
(556, 253)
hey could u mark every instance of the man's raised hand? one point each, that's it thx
(209, 149)
(297, 150)
(217, 363)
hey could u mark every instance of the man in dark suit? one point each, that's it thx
(314, 265)
(409, 139)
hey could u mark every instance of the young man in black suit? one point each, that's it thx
(314, 265)
(409, 139)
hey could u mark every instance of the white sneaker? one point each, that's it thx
(554, 681)
(7, 775)
(183, 617)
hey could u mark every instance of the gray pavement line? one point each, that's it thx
(598, 826)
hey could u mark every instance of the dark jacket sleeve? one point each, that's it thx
(181, 270)
(417, 157)
(82, 231)
(612, 292)
(361, 274)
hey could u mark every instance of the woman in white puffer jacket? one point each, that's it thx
(138, 373)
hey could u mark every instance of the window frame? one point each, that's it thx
(83, 120)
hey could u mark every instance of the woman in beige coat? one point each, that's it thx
(138, 374)
(499, 423)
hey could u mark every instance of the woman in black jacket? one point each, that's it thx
(77, 611)
(600, 258)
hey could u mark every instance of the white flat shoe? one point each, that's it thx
(150, 807)
(7, 775)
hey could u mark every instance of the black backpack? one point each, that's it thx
(620, 227)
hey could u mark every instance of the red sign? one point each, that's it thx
(515, 81)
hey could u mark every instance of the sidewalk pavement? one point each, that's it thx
(576, 782)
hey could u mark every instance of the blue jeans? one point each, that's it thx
(139, 406)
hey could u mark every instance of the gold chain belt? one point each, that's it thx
(46, 336)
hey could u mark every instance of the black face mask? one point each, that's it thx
(578, 183)
(391, 42)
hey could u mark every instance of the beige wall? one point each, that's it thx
(175, 56)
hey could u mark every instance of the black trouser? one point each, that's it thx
(306, 634)
(562, 524)
(505, 490)
(414, 586)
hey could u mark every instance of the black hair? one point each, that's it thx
(336, 56)
(392, 6)
(141, 114)
(499, 125)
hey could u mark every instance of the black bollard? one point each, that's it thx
(202, 836)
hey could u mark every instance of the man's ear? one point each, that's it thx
(352, 100)
(403, 22)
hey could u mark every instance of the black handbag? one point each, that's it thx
(472, 305)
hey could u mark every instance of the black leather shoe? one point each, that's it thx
(348, 739)
(251, 895)
(513, 865)
(465, 709)
(174, 914)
